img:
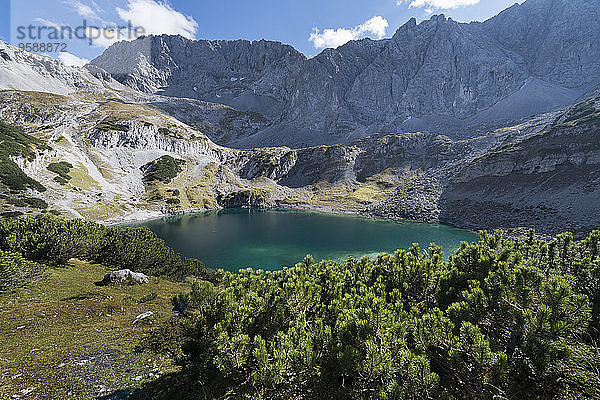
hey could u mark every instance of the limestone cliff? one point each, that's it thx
(451, 78)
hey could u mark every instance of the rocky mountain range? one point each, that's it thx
(480, 125)
(439, 75)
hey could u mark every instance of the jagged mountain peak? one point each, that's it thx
(438, 75)
(202, 68)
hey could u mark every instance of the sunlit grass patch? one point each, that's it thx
(66, 335)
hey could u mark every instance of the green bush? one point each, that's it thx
(62, 169)
(11, 214)
(52, 240)
(36, 203)
(60, 180)
(15, 179)
(165, 132)
(110, 125)
(16, 271)
(16, 202)
(33, 202)
(501, 319)
(15, 143)
(163, 169)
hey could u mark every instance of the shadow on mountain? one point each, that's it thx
(561, 199)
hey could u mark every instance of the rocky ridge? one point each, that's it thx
(452, 78)
(543, 173)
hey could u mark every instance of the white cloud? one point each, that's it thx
(375, 27)
(331, 37)
(144, 17)
(72, 60)
(49, 23)
(158, 18)
(88, 11)
(438, 4)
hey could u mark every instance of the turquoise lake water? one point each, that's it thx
(272, 239)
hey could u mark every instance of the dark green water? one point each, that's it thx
(269, 240)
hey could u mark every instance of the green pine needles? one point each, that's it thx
(503, 319)
(15, 143)
(53, 241)
(163, 169)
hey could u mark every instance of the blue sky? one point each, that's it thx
(308, 25)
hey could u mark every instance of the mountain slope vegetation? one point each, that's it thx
(502, 318)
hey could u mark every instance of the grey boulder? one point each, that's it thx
(124, 277)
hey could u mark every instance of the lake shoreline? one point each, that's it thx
(267, 238)
(155, 216)
(147, 216)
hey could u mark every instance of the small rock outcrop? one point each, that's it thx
(124, 277)
(246, 198)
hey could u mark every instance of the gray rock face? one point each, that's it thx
(224, 124)
(124, 277)
(452, 78)
(549, 180)
(247, 75)
(557, 39)
(28, 71)
(438, 67)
